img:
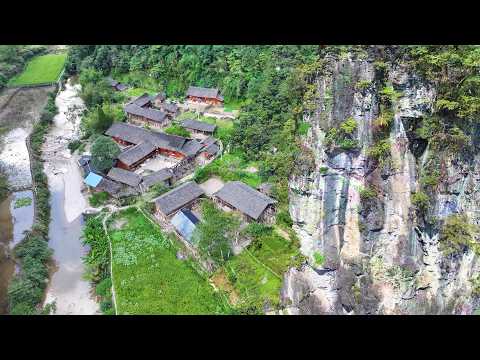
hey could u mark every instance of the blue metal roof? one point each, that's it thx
(93, 179)
(185, 224)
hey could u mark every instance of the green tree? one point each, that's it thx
(215, 233)
(104, 152)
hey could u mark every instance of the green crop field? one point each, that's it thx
(41, 69)
(148, 277)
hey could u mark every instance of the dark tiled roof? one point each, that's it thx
(191, 148)
(209, 141)
(242, 197)
(179, 197)
(169, 142)
(157, 177)
(111, 187)
(198, 125)
(124, 176)
(121, 87)
(204, 92)
(136, 153)
(142, 100)
(160, 97)
(137, 135)
(212, 149)
(151, 114)
(171, 108)
(130, 133)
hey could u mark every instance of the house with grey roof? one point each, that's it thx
(124, 176)
(145, 116)
(206, 95)
(158, 99)
(132, 157)
(109, 186)
(251, 203)
(211, 150)
(116, 85)
(178, 198)
(199, 126)
(147, 143)
(162, 176)
(171, 109)
(143, 100)
(127, 134)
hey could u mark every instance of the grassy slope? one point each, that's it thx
(148, 277)
(251, 279)
(41, 69)
(230, 167)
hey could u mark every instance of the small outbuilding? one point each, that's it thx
(185, 223)
(116, 85)
(145, 116)
(199, 126)
(92, 179)
(178, 198)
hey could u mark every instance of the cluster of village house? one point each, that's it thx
(140, 144)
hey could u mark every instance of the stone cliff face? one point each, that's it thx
(378, 257)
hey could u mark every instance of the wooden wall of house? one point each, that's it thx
(210, 101)
(142, 121)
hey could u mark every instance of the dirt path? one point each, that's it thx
(71, 293)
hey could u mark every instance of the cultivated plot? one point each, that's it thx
(40, 70)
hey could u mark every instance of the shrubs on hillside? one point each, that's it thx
(458, 235)
(215, 233)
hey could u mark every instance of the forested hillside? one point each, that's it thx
(372, 151)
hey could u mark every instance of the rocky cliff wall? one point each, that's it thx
(378, 256)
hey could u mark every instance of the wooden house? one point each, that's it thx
(198, 127)
(163, 176)
(133, 156)
(178, 198)
(204, 95)
(146, 116)
(251, 203)
(148, 143)
(124, 177)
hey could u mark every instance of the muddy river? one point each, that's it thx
(71, 293)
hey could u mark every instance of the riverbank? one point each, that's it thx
(67, 288)
(14, 221)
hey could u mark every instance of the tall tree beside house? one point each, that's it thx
(215, 233)
(104, 153)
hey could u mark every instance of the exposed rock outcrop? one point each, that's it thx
(379, 258)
